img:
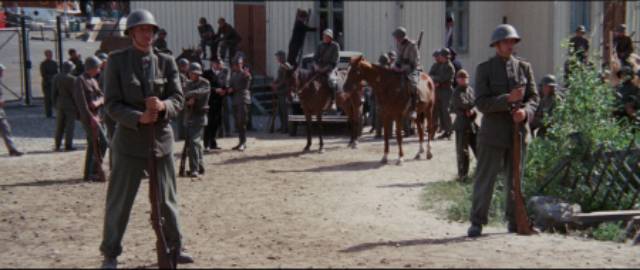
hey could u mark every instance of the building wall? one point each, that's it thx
(368, 26)
(427, 16)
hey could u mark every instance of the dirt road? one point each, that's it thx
(274, 206)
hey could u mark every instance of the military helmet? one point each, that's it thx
(281, 53)
(102, 56)
(462, 74)
(436, 53)
(92, 62)
(140, 17)
(195, 68)
(502, 32)
(445, 52)
(392, 54)
(328, 32)
(549, 80)
(183, 62)
(400, 32)
(383, 59)
(237, 59)
(68, 66)
(581, 28)
(621, 28)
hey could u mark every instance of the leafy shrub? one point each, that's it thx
(612, 231)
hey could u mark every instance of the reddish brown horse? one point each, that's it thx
(395, 102)
(315, 98)
(350, 101)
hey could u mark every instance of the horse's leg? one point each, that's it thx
(386, 121)
(308, 121)
(431, 129)
(420, 130)
(319, 123)
(399, 128)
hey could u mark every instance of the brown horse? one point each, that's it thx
(395, 102)
(350, 101)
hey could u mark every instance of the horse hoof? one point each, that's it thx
(321, 150)
(418, 156)
(384, 160)
(306, 149)
(354, 146)
(400, 162)
(429, 156)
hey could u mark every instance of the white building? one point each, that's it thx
(366, 26)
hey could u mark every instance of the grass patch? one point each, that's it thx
(611, 231)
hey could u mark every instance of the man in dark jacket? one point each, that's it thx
(228, 39)
(48, 69)
(218, 77)
(623, 44)
(300, 29)
(206, 37)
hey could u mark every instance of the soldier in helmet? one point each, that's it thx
(443, 73)
(160, 43)
(578, 44)
(281, 89)
(239, 83)
(623, 44)
(407, 64)
(196, 96)
(505, 93)
(62, 94)
(325, 61)
(548, 102)
(183, 69)
(466, 129)
(143, 92)
(89, 100)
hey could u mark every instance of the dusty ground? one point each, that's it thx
(269, 207)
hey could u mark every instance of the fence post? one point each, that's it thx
(27, 60)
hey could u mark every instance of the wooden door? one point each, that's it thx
(250, 22)
(614, 14)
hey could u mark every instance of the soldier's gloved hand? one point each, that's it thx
(516, 95)
(148, 117)
(154, 104)
(519, 115)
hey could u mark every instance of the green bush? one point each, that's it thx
(609, 232)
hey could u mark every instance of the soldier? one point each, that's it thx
(218, 77)
(160, 43)
(183, 68)
(280, 88)
(5, 128)
(579, 44)
(228, 39)
(206, 37)
(239, 84)
(325, 62)
(300, 29)
(457, 66)
(376, 120)
(89, 100)
(48, 69)
(408, 63)
(196, 96)
(628, 95)
(442, 72)
(623, 44)
(392, 55)
(66, 112)
(548, 102)
(143, 92)
(505, 94)
(464, 125)
(76, 59)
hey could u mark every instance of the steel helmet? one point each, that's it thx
(445, 52)
(183, 62)
(328, 32)
(140, 17)
(92, 62)
(392, 54)
(462, 74)
(102, 56)
(581, 28)
(281, 53)
(68, 66)
(195, 68)
(548, 79)
(400, 32)
(502, 32)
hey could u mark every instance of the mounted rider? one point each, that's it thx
(407, 63)
(325, 62)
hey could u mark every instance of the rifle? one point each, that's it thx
(420, 39)
(97, 152)
(274, 110)
(167, 256)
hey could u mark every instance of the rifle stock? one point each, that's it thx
(523, 224)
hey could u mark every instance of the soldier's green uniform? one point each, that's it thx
(547, 104)
(443, 74)
(180, 118)
(131, 76)
(495, 79)
(462, 102)
(408, 62)
(326, 58)
(282, 92)
(66, 112)
(240, 82)
(86, 92)
(48, 69)
(195, 120)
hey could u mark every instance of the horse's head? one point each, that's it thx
(355, 75)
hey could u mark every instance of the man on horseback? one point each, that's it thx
(325, 61)
(407, 63)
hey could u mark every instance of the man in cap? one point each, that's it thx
(5, 128)
(160, 43)
(206, 38)
(228, 38)
(505, 94)
(300, 29)
(466, 129)
(623, 44)
(281, 88)
(218, 77)
(89, 99)
(143, 92)
(183, 68)
(76, 59)
(628, 95)
(443, 74)
(548, 102)
(239, 84)
(407, 64)
(578, 44)
(48, 69)
(325, 61)
(66, 112)
(196, 96)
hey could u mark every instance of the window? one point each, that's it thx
(580, 14)
(460, 31)
(331, 15)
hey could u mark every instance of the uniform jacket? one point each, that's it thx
(86, 91)
(63, 91)
(443, 74)
(624, 45)
(282, 79)
(227, 33)
(48, 69)
(203, 29)
(240, 84)
(126, 89)
(629, 94)
(327, 56)
(494, 80)
(462, 101)
(408, 56)
(160, 44)
(200, 90)
(79, 66)
(217, 79)
(545, 109)
(579, 43)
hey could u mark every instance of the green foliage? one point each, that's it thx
(586, 109)
(609, 232)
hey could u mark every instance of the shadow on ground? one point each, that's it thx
(416, 242)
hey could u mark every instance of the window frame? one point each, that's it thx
(460, 10)
(331, 9)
